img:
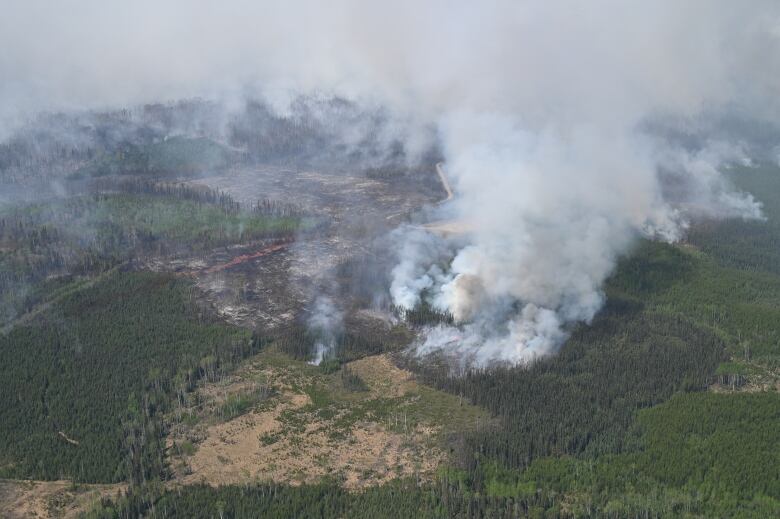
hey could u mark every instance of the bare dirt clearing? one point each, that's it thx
(278, 419)
(50, 499)
(313, 427)
(267, 284)
(334, 194)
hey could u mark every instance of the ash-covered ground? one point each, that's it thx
(270, 283)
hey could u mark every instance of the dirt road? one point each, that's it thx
(444, 182)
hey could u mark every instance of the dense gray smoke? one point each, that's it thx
(543, 111)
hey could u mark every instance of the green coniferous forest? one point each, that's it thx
(665, 405)
(439, 259)
(89, 378)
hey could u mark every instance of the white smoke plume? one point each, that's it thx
(417, 270)
(541, 109)
(324, 323)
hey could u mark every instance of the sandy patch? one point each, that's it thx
(290, 439)
(383, 377)
(50, 499)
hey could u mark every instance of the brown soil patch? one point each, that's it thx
(50, 499)
(232, 452)
(290, 439)
(383, 377)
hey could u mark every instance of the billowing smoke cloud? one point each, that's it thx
(541, 107)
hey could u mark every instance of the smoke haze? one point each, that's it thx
(325, 322)
(542, 110)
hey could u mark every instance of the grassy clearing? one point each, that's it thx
(124, 218)
(186, 221)
(170, 157)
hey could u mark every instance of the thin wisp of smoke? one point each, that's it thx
(324, 324)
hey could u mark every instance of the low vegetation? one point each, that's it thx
(365, 423)
(175, 156)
